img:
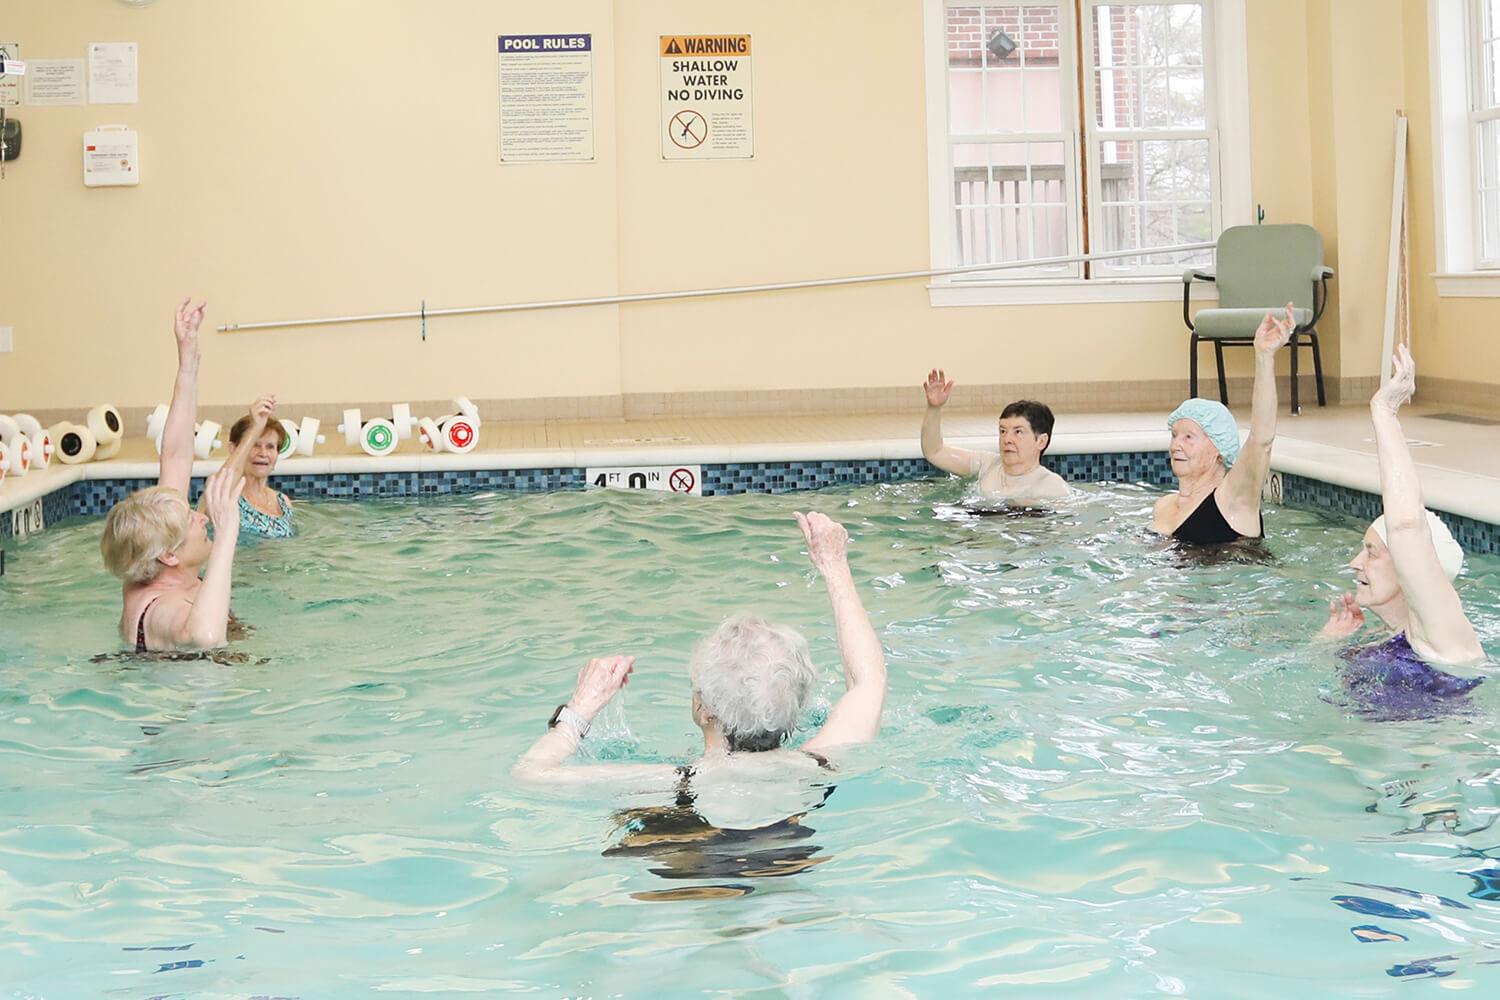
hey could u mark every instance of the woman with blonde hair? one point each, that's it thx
(159, 545)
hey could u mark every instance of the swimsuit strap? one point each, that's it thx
(140, 626)
(684, 788)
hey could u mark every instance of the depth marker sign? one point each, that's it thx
(706, 107)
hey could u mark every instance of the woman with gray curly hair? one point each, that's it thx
(751, 681)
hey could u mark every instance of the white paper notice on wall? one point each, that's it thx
(113, 78)
(111, 157)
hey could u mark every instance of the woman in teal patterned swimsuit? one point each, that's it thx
(257, 439)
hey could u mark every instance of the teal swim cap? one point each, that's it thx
(1217, 422)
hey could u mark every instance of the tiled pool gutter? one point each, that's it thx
(1308, 475)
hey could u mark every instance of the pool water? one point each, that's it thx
(1103, 772)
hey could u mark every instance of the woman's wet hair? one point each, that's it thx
(141, 528)
(243, 424)
(754, 678)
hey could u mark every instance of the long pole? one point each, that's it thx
(607, 300)
(1393, 274)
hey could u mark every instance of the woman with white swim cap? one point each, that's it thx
(1404, 573)
(1218, 481)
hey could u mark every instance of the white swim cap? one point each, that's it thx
(1450, 554)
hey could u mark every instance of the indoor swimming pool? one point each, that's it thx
(1106, 769)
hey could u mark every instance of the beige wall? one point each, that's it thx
(1452, 338)
(312, 159)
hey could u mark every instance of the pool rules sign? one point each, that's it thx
(706, 111)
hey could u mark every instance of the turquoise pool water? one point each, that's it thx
(1102, 773)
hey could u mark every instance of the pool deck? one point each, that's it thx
(1459, 459)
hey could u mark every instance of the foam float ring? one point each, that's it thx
(378, 437)
(109, 450)
(289, 442)
(429, 435)
(466, 408)
(155, 422)
(41, 449)
(9, 427)
(4, 460)
(74, 444)
(28, 424)
(308, 436)
(105, 424)
(351, 427)
(460, 433)
(206, 439)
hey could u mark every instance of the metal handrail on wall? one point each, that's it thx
(424, 313)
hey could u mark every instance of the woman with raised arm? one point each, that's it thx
(1219, 482)
(157, 543)
(750, 682)
(257, 439)
(1404, 573)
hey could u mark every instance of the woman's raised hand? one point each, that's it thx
(263, 409)
(185, 327)
(1274, 333)
(936, 388)
(1402, 383)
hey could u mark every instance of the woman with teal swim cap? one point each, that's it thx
(1218, 481)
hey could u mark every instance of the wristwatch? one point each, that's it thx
(572, 718)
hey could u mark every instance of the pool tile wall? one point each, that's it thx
(95, 496)
(1472, 534)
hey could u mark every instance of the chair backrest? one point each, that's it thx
(1259, 266)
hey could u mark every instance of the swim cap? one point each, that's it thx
(1217, 422)
(1450, 554)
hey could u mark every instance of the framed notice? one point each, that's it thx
(706, 107)
(546, 98)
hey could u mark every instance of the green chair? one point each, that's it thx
(1258, 269)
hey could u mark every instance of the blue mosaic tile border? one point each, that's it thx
(95, 496)
(1153, 467)
(788, 477)
(55, 507)
(1473, 535)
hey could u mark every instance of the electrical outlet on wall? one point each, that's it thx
(7, 341)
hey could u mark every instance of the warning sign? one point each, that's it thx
(706, 108)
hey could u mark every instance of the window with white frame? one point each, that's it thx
(1484, 127)
(1464, 60)
(1071, 127)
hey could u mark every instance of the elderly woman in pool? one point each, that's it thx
(1404, 573)
(157, 543)
(257, 439)
(751, 681)
(1218, 482)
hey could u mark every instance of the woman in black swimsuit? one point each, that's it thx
(1219, 482)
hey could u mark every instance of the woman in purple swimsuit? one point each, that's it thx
(1218, 482)
(1404, 573)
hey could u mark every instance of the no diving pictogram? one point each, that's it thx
(682, 480)
(688, 129)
